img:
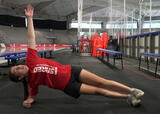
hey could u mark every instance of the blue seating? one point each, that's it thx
(13, 57)
(12, 54)
(151, 55)
(44, 53)
(112, 52)
(144, 34)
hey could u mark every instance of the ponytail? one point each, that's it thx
(25, 85)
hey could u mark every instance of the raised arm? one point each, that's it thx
(29, 11)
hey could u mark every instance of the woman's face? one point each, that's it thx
(20, 70)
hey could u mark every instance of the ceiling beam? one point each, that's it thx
(44, 4)
(97, 3)
(85, 11)
(18, 8)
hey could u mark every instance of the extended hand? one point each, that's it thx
(27, 103)
(29, 11)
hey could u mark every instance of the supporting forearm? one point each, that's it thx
(32, 97)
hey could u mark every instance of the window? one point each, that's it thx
(86, 25)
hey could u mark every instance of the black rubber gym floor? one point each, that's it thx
(51, 101)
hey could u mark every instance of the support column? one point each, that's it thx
(90, 26)
(140, 16)
(133, 47)
(145, 46)
(130, 48)
(79, 13)
(69, 20)
(103, 25)
(124, 39)
(138, 46)
(152, 46)
(150, 16)
(111, 16)
(159, 44)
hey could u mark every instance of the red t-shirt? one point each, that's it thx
(46, 72)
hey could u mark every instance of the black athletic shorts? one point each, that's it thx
(74, 85)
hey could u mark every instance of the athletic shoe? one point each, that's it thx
(133, 101)
(137, 93)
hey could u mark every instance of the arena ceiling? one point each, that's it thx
(60, 10)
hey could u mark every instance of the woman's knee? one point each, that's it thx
(99, 91)
(88, 89)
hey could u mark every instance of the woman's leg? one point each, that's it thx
(94, 80)
(93, 90)
(95, 85)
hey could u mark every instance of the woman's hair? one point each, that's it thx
(25, 85)
(13, 77)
